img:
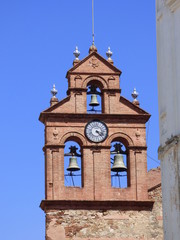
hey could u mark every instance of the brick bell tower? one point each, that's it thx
(95, 154)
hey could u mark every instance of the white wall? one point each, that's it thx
(168, 63)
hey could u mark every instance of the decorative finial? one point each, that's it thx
(76, 53)
(92, 49)
(135, 94)
(54, 91)
(54, 99)
(109, 53)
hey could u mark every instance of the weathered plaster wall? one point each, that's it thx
(168, 62)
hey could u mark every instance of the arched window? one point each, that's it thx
(94, 97)
(119, 165)
(72, 164)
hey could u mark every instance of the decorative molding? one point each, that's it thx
(95, 205)
(109, 118)
(52, 147)
(96, 147)
(79, 138)
(102, 82)
(85, 73)
(77, 93)
(55, 149)
(124, 138)
(169, 144)
(111, 78)
(55, 133)
(94, 62)
(77, 77)
(111, 91)
(138, 149)
(137, 134)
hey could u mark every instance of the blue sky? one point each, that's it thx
(36, 45)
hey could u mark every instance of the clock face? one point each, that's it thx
(96, 131)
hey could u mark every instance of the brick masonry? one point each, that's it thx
(106, 225)
(66, 120)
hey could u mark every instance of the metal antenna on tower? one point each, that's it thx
(93, 21)
(92, 47)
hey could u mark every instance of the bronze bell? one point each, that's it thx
(118, 165)
(73, 165)
(94, 101)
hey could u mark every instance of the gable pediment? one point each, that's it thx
(128, 107)
(125, 109)
(94, 63)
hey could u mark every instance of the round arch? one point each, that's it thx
(101, 81)
(122, 137)
(73, 136)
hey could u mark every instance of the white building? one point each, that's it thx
(168, 62)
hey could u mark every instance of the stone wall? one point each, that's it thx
(110, 224)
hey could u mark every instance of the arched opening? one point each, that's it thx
(94, 97)
(72, 164)
(119, 165)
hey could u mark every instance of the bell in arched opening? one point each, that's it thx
(118, 165)
(94, 101)
(73, 165)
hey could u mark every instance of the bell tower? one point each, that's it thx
(95, 153)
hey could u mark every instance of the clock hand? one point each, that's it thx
(100, 133)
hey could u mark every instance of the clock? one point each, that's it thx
(96, 131)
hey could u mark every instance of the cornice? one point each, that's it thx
(54, 147)
(96, 205)
(111, 90)
(81, 117)
(169, 144)
(137, 148)
(96, 147)
(94, 74)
